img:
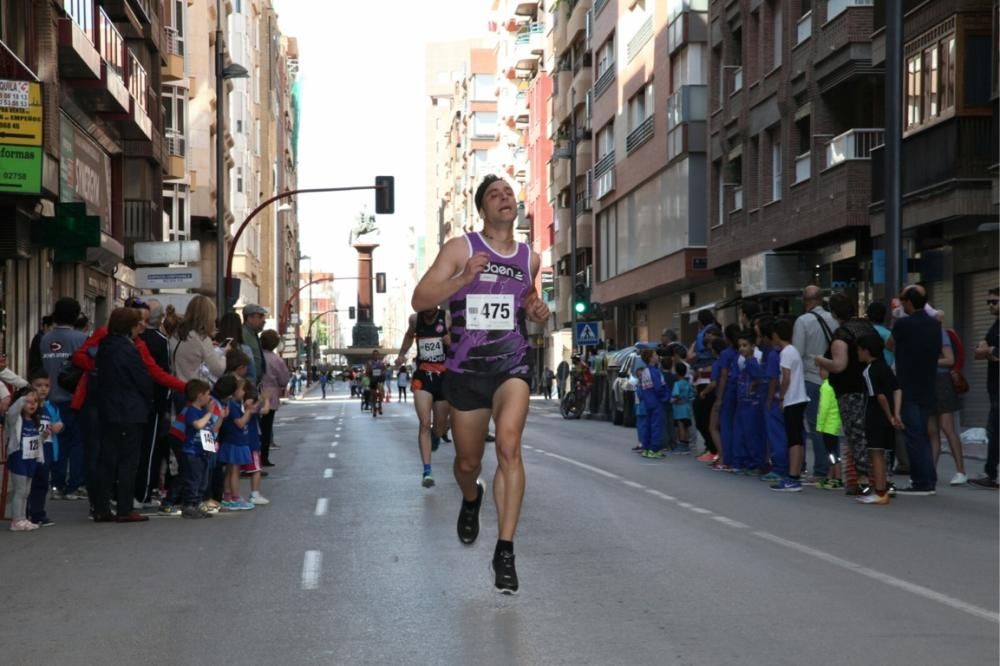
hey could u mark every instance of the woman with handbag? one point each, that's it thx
(942, 419)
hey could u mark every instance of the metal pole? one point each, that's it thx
(572, 215)
(893, 176)
(220, 192)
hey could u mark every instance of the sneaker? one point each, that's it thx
(213, 504)
(205, 507)
(959, 479)
(468, 518)
(258, 499)
(22, 526)
(44, 522)
(910, 491)
(830, 484)
(655, 454)
(505, 576)
(244, 505)
(230, 505)
(78, 494)
(809, 481)
(151, 503)
(445, 438)
(707, 458)
(720, 467)
(984, 482)
(771, 477)
(168, 510)
(194, 512)
(428, 481)
(490, 437)
(873, 498)
(56, 494)
(103, 517)
(787, 486)
(892, 489)
(435, 441)
(132, 517)
(637, 449)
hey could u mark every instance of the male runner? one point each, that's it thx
(376, 372)
(487, 278)
(430, 329)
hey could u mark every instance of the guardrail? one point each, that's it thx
(111, 44)
(854, 144)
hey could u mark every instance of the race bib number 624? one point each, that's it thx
(489, 312)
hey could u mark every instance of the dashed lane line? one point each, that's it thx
(328, 473)
(854, 567)
(312, 565)
(322, 504)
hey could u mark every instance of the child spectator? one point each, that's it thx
(652, 392)
(237, 363)
(713, 443)
(881, 417)
(793, 401)
(681, 396)
(234, 446)
(724, 410)
(51, 426)
(748, 428)
(254, 469)
(366, 392)
(24, 453)
(641, 424)
(214, 486)
(828, 425)
(774, 419)
(199, 443)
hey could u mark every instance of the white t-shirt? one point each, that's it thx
(796, 391)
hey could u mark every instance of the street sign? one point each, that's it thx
(161, 277)
(20, 113)
(587, 333)
(149, 253)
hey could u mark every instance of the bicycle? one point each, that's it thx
(575, 400)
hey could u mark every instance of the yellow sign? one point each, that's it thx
(20, 113)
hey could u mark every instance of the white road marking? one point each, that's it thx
(331, 455)
(328, 473)
(321, 506)
(913, 588)
(311, 566)
(334, 443)
(892, 581)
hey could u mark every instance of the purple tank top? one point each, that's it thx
(488, 334)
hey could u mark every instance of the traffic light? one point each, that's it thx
(351, 312)
(380, 283)
(385, 195)
(581, 298)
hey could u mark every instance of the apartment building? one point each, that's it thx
(646, 110)
(950, 163)
(82, 157)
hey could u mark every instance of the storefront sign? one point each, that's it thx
(20, 113)
(20, 137)
(168, 278)
(84, 172)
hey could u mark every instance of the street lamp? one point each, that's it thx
(222, 73)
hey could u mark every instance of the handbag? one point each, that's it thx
(69, 377)
(959, 382)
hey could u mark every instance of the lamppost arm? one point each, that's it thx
(287, 306)
(264, 204)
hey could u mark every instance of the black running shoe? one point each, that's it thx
(505, 575)
(468, 519)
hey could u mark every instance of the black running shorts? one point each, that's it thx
(431, 382)
(466, 391)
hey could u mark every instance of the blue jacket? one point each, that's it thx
(651, 389)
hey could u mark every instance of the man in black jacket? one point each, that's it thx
(154, 442)
(124, 400)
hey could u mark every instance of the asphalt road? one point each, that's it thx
(622, 561)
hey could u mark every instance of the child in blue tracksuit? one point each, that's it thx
(729, 370)
(751, 386)
(681, 396)
(652, 393)
(774, 418)
(50, 427)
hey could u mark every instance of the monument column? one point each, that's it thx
(365, 333)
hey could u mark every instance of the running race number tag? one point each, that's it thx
(430, 347)
(207, 440)
(31, 448)
(489, 312)
(376, 372)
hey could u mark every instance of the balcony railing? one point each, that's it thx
(175, 45)
(82, 13)
(805, 28)
(604, 81)
(639, 39)
(139, 217)
(835, 7)
(175, 144)
(854, 144)
(137, 80)
(524, 34)
(604, 175)
(640, 135)
(803, 167)
(111, 43)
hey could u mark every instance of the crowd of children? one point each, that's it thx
(758, 420)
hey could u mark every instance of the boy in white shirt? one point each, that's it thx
(793, 402)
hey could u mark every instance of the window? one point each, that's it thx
(930, 77)
(174, 110)
(775, 166)
(484, 124)
(175, 213)
(686, 67)
(484, 87)
(606, 140)
(239, 179)
(640, 106)
(606, 56)
(15, 26)
(178, 8)
(777, 33)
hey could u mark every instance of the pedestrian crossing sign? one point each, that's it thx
(586, 333)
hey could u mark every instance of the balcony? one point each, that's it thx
(132, 15)
(854, 144)
(576, 25)
(688, 104)
(108, 94)
(173, 70)
(641, 37)
(582, 80)
(78, 58)
(803, 167)
(604, 175)
(842, 50)
(529, 45)
(175, 164)
(584, 152)
(139, 225)
(835, 8)
(526, 9)
(138, 119)
(642, 133)
(604, 81)
(599, 5)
